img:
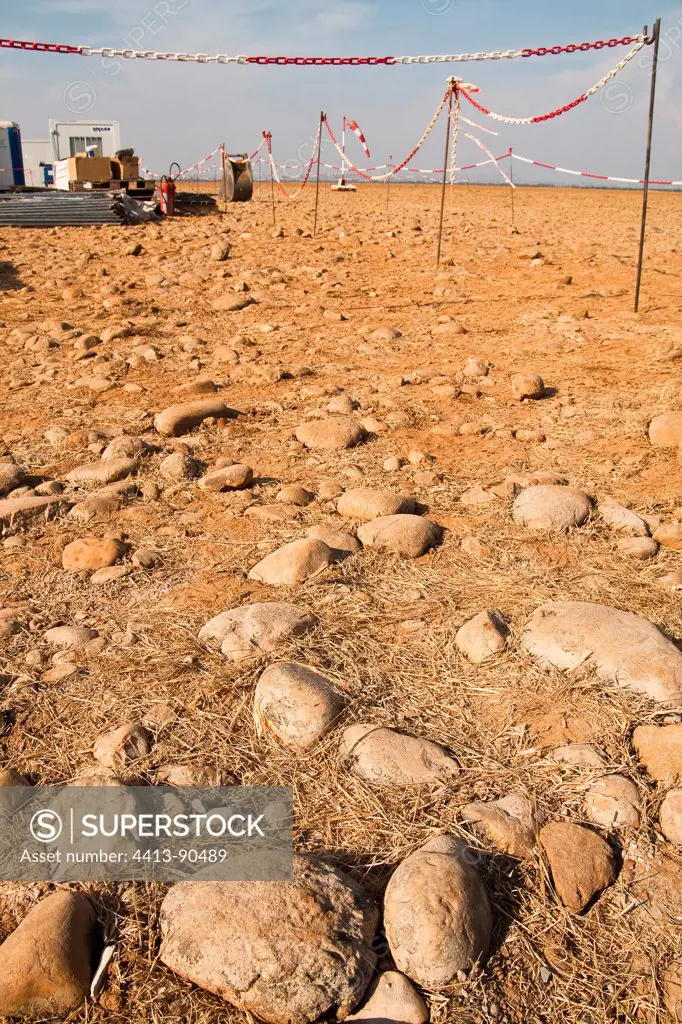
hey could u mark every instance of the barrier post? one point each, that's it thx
(511, 178)
(452, 82)
(268, 136)
(388, 183)
(656, 38)
(317, 181)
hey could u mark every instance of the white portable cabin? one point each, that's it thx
(38, 159)
(71, 137)
(11, 161)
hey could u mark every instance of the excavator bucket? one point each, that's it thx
(238, 179)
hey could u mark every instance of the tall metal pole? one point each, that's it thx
(453, 86)
(317, 182)
(656, 38)
(511, 178)
(272, 180)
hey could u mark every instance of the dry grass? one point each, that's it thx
(387, 627)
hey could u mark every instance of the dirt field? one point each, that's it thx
(553, 298)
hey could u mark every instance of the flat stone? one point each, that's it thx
(437, 913)
(16, 512)
(69, 637)
(672, 989)
(670, 816)
(109, 574)
(623, 648)
(11, 777)
(104, 501)
(107, 471)
(11, 476)
(623, 519)
(406, 535)
(296, 704)
(293, 563)
(229, 478)
(90, 553)
(578, 755)
(331, 434)
(342, 544)
(180, 419)
(509, 823)
(669, 536)
(256, 628)
(293, 494)
(47, 963)
(286, 952)
(550, 507)
(659, 748)
(389, 758)
(640, 548)
(581, 862)
(483, 636)
(665, 431)
(119, 747)
(614, 801)
(391, 999)
(368, 503)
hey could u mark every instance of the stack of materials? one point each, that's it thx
(54, 209)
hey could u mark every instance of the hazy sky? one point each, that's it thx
(171, 111)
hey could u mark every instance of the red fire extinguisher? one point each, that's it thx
(167, 196)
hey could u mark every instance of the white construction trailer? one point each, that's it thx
(102, 138)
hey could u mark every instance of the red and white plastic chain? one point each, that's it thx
(568, 106)
(267, 139)
(398, 167)
(454, 117)
(224, 58)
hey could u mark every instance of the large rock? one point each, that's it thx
(129, 742)
(581, 862)
(293, 563)
(391, 999)
(331, 434)
(484, 635)
(108, 471)
(665, 431)
(550, 507)
(372, 502)
(670, 536)
(437, 913)
(256, 628)
(614, 800)
(296, 704)
(509, 822)
(16, 512)
(229, 478)
(288, 953)
(179, 419)
(622, 647)
(394, 759)
(406, 535)
(659, 748)
(69, 637)
(47, 963)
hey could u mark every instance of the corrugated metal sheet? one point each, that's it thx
(54, 209)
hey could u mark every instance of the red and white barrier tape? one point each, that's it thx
(224, 58)
(267, 139)
(568, 106)
(587, 174)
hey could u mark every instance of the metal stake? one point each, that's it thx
(272, 180)
(388, 182)
(317, 182)
(453, 86)
(656, 38)
(511, 178)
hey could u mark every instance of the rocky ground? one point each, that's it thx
(311, 512)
